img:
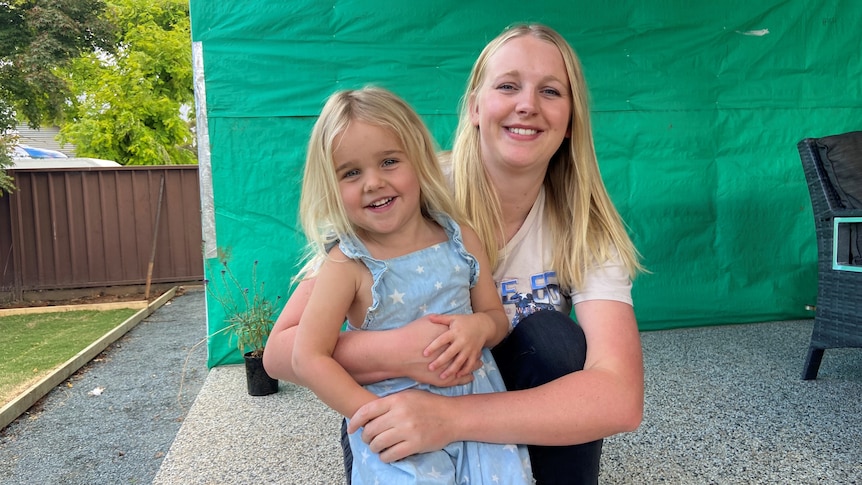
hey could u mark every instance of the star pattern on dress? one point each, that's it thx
(426, 292)
(434, 473)
(397, 297)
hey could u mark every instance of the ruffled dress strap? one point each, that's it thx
(453, 231)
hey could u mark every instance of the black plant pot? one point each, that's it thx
(259, 382)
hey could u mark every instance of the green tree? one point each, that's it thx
(36, 38)
(7, 140)
(129, 103)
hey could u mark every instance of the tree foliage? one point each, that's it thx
(36, 38)
(129, 102)
(39, 36)
(7, 139)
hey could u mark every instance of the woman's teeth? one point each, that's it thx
(523, 131)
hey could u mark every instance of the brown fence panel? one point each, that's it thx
(81, 228)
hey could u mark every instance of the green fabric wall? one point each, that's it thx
(697, 110)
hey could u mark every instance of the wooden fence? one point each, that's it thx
(99, 227)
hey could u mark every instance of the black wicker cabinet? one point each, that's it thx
(833, 170)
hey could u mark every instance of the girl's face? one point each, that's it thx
(378, 185)
(523, 107)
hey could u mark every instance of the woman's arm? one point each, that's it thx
(278, 352)
(367, 356)
(604, 399)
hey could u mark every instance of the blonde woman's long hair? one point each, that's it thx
(584, 224)
(324, 219)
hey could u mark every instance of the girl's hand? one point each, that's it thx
(415, 338)
(459, 349)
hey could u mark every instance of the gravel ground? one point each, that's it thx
(121, 435)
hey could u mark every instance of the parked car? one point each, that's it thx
(24, 151)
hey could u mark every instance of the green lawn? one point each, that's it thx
(32, 345)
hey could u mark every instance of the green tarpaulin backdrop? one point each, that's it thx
(697, 111)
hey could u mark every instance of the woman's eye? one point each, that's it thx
(551, 92)
(506, 87)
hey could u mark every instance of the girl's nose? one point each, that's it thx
(373, 181)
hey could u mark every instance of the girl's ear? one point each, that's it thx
(474, 109)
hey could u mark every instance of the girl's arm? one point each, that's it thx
(604, 399)
(330, 299)
(468, 334)
(484, 296)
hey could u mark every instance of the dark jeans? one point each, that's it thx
(543, 347)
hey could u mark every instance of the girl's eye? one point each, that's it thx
(389, 162)
(350, 173)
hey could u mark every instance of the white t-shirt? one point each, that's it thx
(527, 282)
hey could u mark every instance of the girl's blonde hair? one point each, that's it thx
(584, 225)
(322, 212)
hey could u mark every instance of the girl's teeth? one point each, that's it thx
(523, 131)
(380, 203)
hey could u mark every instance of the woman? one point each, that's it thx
(525, 173)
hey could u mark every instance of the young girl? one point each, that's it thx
(376, 210)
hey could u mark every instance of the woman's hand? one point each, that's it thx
(405, 423)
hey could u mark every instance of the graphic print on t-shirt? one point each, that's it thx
(521, 301)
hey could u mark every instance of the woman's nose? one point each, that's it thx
(527, 103)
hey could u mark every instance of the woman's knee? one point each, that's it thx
(544, 346)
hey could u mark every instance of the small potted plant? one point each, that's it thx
(249, 315)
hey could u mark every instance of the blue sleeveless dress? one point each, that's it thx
(438, 280)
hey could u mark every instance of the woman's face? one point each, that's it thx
(523, 107)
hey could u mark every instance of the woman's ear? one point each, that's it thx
(473, 106)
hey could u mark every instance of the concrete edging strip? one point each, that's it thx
(22, 403)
